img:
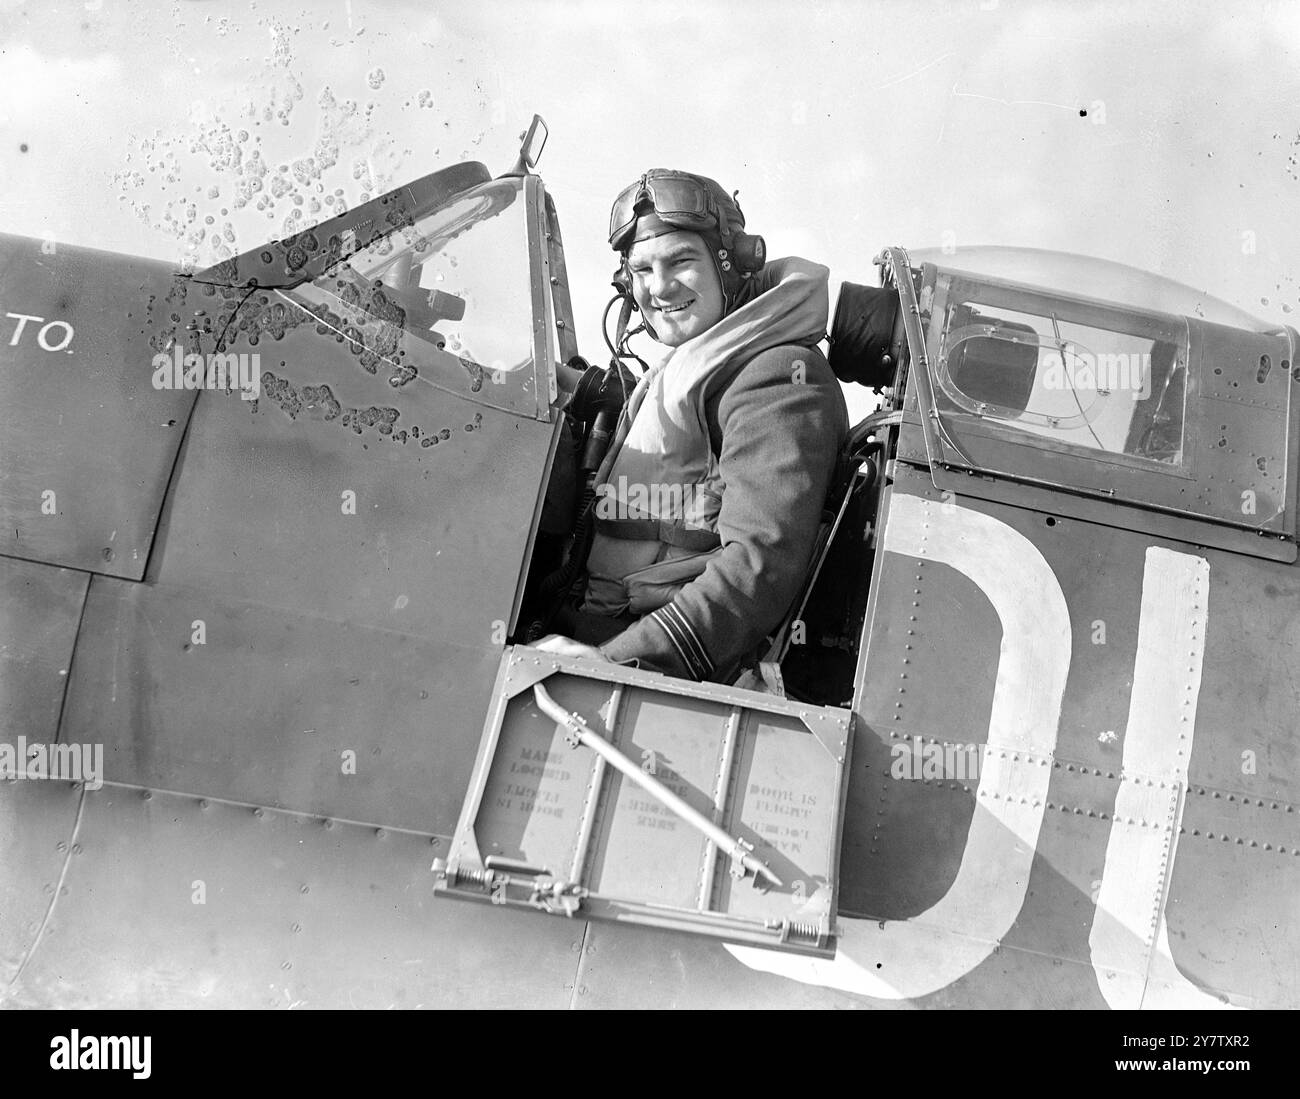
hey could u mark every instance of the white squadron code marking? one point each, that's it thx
(43, 339)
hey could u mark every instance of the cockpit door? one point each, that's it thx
(608, 792)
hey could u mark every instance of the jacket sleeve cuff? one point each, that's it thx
(664, 640)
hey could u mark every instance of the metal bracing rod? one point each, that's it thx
(581, 733)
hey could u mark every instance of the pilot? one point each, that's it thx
(709, 499)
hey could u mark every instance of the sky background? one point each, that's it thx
(846, 126)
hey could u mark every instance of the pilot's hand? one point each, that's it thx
(566, 646)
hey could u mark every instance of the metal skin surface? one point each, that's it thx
(317, 631)
(37, 824)
(290, 698)
(40, 608)
(78, 415)
(1230, 905)
(280, 708)
(177, 901)
(324, 632)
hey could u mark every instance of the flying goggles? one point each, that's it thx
(687, 202)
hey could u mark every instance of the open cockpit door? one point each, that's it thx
(607, 792)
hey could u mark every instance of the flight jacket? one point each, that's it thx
(753, 431)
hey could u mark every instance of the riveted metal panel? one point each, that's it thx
(1245, 826)
(906, 829)
(932, 625)
(1233, 893)
(174, 902)
(40, 606)
(1059, 906)
(1248, 720)
(1052, 501)
(1234, 898)
(279, 502)
(83, 421)
(905, 837)
(1242, 763)
(268, 706)
(37, 820)
(1100, 571)
(1246, 389)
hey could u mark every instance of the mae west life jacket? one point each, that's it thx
(659, 490)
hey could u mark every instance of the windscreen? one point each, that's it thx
(456, 280)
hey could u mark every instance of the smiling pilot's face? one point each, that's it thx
(676, 285)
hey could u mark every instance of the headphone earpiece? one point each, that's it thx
(749, 252)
